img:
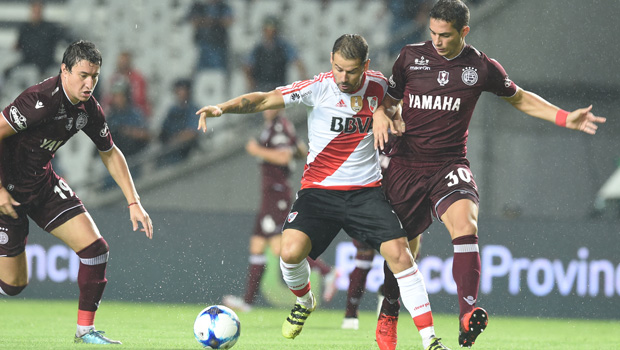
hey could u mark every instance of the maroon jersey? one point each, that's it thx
(44, 120)
(280, 133)
(439, 96)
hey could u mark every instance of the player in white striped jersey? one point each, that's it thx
(341, 183)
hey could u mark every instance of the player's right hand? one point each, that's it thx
(7, 203)
(207, 112)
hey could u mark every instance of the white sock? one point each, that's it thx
(427, 335)
(81, 330)
(306, 300)
(415, 298)
(297, 277)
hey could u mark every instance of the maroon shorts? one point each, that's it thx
(417, 193)
(54, 204)
(275, 205)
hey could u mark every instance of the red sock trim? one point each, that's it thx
(86, 318)
(303, 291)
(423, 321)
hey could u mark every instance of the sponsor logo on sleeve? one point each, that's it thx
(105, 131)
(18, 119)
(291, 216)
(392, 82)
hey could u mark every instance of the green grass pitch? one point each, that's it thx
(46, 324)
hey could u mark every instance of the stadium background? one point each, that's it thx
(538, 183)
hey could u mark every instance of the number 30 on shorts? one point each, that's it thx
(463, 174)
(61, 188)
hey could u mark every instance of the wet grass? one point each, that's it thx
(45, 324)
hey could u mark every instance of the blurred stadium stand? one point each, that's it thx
(524, 167)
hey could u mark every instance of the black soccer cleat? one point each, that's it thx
(471, 325)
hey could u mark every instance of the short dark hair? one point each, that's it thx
(81, 50)
(183, 83)
(351, 46)
(451, 11)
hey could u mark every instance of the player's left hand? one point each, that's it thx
(138, 214)
(582, 119)
(207, 112)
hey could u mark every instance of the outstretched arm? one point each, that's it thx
(115, 162)
(580, 119)
(252, 102)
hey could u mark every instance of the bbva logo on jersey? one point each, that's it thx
(351, 125)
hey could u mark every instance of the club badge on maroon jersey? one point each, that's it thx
(356, 103)
(81, 121)
(443, 78)
(4, 238)
(373, 102)
(469, 76)
(18, 118)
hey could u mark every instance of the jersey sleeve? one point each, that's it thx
(26, 111)
(301, 92)
(498, 81)
(97, 129)
(398, 80)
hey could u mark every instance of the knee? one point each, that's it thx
(465, 228)
(398, 256)
(290, 255)
(10, 291)
(96, 253)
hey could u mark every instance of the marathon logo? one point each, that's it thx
(18, 119)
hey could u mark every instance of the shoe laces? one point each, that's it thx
(436, 345)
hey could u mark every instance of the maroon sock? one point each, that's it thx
(91, 274)
(255, 273)
(391, 305)
(320, 265)
(466, 271)
(357, 286)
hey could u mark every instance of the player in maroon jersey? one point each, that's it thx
(276, 149)
(39, 121)
(439, 82)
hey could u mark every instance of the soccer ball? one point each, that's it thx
(217, 327)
